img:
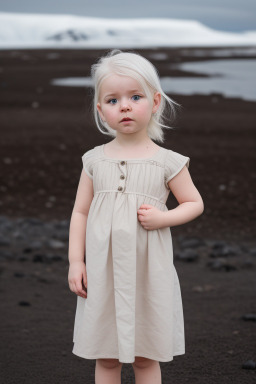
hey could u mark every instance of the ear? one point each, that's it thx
(156, 101)
(100, 112)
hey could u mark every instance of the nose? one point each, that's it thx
(125, 106)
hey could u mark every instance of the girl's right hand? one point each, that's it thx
(77, 278)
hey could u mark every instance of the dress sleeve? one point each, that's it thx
(174, 163)
(87, 159)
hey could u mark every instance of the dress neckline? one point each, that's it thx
(130, 159)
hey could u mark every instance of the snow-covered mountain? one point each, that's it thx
(61, 31)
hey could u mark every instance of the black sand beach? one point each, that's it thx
(45, 130)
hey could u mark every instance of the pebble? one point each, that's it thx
(248, 263)
(46, 258)
(249, 364)
(6, 255)
(55, 244)
(192, 242)
(187, 255)
(32, 239)
(35, 245)
(249, 317)
(43, 280)
(220, 264)
(4, 242)
(39, 258)
(25, 235)
(22, 258)
(24, 303)
(35, 104)
(205, 288)
(221, 249)
(18, 274)
(253, 251)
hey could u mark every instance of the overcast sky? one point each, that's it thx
(225, 15)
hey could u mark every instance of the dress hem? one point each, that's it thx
(107, 356)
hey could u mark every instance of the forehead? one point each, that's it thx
(119, 84)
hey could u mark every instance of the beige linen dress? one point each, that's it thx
(133, 305)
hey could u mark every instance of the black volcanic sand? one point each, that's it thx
(45, 130)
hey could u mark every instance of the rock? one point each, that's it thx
(35, 104)
(192, 242)
(216, 264)
(55, 244)
(43, 280)
(63, 224)
(187, 255)
(22, 258)
(39, 258)
(198, 288)
(33, 221)
(230, 267)
(253, 251)
(248, 263)
(34, 245)
(44, 258)
(18, 274)
(205, 288)
(6, 255)
(249, 317)
(221, 249)
(24, 303)
(55, 257)
(249, 364)
(4, 242)
(220, 264)
(17, 235)
(62, 235)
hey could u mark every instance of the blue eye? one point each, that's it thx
(109, 101)
(137, 96)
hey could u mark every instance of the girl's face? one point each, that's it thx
(123, 97)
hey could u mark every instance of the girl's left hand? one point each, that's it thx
(150, 217)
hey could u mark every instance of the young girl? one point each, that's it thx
(129, 307)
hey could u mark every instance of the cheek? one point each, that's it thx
(145, 111)
(110, 114)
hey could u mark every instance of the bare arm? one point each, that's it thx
(77, 235)
(190, 205)
(190, 201)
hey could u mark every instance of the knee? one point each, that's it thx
(109, 363)
(142, 362)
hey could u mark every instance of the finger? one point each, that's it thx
(85, 280)
(71, 287)
(83, 296)
(79, 289)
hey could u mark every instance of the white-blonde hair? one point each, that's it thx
(139, 68)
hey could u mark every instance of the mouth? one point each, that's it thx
(126, 119)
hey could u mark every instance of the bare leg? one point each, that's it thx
(146, 371)
(108, 371)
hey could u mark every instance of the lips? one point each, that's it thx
(126, 119)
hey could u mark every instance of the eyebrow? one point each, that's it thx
(131, 91)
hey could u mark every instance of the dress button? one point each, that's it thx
(122, 162)
(120, 188)
(122, 177)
